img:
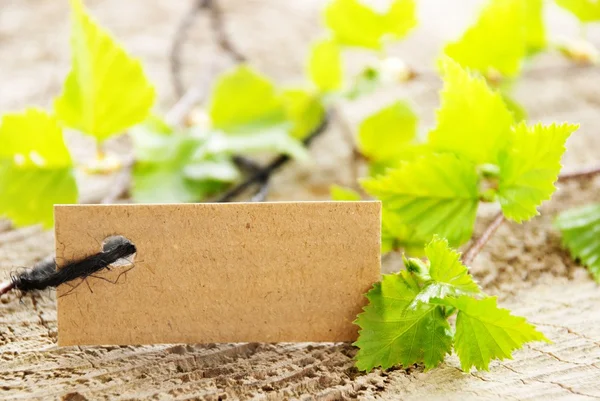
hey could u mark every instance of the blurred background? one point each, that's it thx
(275, 36)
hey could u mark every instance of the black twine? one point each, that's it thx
(45, 274)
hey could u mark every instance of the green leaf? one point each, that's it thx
(304, 110)
(529, 168)
(518, 111)
(485, 332)
(392, 334)
(473, 120)
(190, 166)
(325, 65)
(396, 235)
(355, 24)
(447, 275)
(411, 151)
(271, 139)
(219, 169)
(384, 135)
(36, 170)
(241, 98)
(167, 171)
(535, 31)
(106, 90)
(401, 18)
(584, 10)
(433, 194)
(339, 193)
(580, 229)
(502, 36)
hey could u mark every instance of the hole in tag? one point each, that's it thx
(112, 242)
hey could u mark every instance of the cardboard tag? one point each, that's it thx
(230, 272)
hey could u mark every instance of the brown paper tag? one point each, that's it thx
(237, 272)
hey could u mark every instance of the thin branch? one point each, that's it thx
(218, 27)
(179, 40)
(265, 173)
(221, 37)
(478, 244)
(587, 172)
(249, 165)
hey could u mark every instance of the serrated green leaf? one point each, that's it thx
(447, 275)
(396, 235)
(242, 98)
(518, 111)
(384, 135)
(506, 31)
(473, 120)
(529, 168)
(36, 170)
(410, 152)
(166, 170)
(580, 229)
(485, 332)
(355, 24)
(433, 194)
(106, 90)
(339, 193)
(325, 65)
(584, 10)
(304, 110)
(393, 334)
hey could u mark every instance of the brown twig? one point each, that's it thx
(179, 39)
(478, 244)
(221, 36)
(218, 28)
(583, 173)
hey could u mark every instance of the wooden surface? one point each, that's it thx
(523, 264)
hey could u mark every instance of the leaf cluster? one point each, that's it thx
(407, 318)
(104, 93)
(246, 114)
(477, 152)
